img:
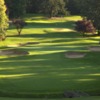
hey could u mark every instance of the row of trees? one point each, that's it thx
(16, 8)
(87, 8)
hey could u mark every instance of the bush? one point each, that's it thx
(85, 26)
(19, 24)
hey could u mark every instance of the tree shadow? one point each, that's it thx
(66, 24)
(49, 72)
(47, 69)
(48, 34)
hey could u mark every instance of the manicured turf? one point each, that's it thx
(46, 70)
(85, 98)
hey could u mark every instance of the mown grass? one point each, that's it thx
(46, 70)
(84, 98)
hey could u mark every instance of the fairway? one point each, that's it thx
(46, 69)
(85, 98)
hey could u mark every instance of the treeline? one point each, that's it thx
(51, 8)
(88, 9)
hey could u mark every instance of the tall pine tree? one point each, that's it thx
(3, 20)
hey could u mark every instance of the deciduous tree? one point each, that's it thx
(91, 9)
(17, 8)
(54, 7)
(19, 24)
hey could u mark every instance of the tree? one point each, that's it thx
(72, 6)
(16, 8)
(54, 7)
(85, 26)
(34, 6)
(19, 24)
(91, 9)
(3, 20)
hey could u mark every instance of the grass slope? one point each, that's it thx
(46, 70)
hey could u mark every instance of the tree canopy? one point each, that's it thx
(91, 10)
(51, 8)
(54, 7)
(3, 18)
(16, 8)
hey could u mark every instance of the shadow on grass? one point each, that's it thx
(66, 24)
(49, 35)
(49, 73)
(61, 39)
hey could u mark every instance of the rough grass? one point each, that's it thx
(46, 70)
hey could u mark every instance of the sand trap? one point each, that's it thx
(13, 52)
(94, 48)
(74, 54)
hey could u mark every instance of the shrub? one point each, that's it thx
(19, 24)
(85, 26)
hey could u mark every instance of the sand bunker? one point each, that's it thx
(74, 54)
(94, 48)
(13, 52)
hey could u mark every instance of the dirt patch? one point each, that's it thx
(13, 52)
(74, 54)
(94, 48)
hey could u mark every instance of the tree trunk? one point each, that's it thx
(19, 31)
(2, 37)
(98, 32)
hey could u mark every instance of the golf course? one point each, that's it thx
(46, 71)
